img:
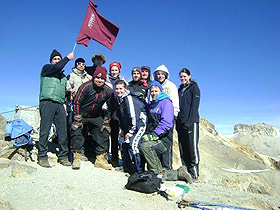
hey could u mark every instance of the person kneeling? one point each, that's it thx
(155, 142)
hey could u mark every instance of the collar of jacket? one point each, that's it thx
(79, 73)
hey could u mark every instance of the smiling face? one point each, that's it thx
(99, 82)
(55, 60)
(136, 76)
(114, 71)
(185, 78)
(81, 66)
(161, 77)
(145, 74)
(155, 91)
(120, 90)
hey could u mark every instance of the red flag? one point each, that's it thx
(96, 27)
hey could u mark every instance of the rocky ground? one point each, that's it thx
(25, 185)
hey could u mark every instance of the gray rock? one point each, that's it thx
(258, 188)
(5, 205)
(4, 163)
(20, 170)
(2, 127)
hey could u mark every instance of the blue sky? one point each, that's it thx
(232, 48)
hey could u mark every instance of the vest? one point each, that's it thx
(53, 88)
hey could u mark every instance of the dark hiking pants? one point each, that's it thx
(101, 139)
(50, 112)
(188, 145)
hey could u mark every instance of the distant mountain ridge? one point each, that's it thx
(262, 138)
(260, 129)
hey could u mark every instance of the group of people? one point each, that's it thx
(107, 113)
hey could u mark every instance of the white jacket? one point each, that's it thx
(76, 78)
(169, 88)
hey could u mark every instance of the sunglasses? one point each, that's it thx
(81, 63)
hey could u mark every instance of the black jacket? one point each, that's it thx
(90, 69)
(132, 113)
(138, 88)
(89, 100)
(189, 98)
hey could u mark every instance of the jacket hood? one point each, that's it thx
(161, 68)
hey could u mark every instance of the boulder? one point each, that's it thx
(20, 170)
(4, 163)
(2, 127)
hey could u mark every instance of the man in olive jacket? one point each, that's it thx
(52, 98)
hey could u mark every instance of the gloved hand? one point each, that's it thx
(77, 122)
(106, 125)
(150, 137)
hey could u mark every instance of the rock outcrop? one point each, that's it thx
(262, 138)
(2, 127)
(260, 129)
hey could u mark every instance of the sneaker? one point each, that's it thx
(64, 162)
(44, 163)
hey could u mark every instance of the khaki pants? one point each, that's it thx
(151, 151)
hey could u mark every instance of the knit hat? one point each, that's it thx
(156, 83)
(53, 54)
(146, 67)
(99, 55)
(100, 72)
(137, 69)
(79, 60)
(117, 64)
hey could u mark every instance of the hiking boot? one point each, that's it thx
(184, 175)
(83, 157)
(44, 163)
(64, 162)
(101, 162)
(77, 161)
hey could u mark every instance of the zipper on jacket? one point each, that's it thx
(95, 101)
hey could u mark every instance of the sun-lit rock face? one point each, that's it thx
(260, 129)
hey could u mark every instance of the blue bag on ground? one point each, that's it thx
(18, 131)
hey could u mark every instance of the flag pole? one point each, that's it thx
(74, 47)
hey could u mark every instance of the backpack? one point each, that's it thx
(19, 131)
(146, 182)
